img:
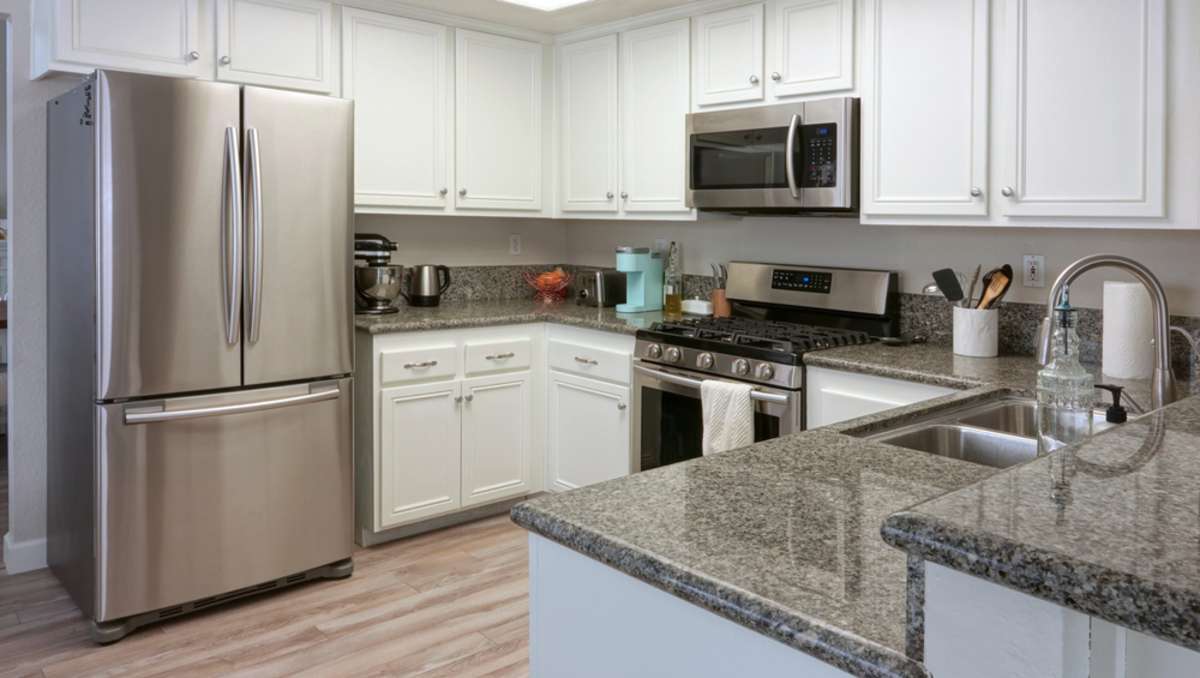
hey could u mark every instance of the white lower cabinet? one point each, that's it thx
(589, 437)
(419, 444)
(496, 416)
(831, 396)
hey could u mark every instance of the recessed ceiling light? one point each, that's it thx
(546, 5)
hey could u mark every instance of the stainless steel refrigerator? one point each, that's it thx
(200, 336)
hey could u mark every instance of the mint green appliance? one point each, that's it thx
(643, 271)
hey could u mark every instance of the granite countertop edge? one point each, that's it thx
(830, 644)
(503, 313)
(1118, 597)
(816, 359)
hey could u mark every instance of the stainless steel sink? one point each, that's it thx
(968, 444)
(998, 433)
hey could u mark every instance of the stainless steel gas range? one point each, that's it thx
(780, 312)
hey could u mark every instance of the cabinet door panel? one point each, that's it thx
(396, 72)
(498, 109)
(278, 43)
(419, 453)
(831, 396)
(497, 427)
(153, 36)
(589, 432)
(811, 46)
(654, 103)
(925, 107)
(1085, 108)
(587, 80)
(728, 56)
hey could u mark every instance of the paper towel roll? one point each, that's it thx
(1128, 331)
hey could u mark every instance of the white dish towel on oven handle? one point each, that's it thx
(728, 415)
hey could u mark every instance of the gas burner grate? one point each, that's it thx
(764, 334)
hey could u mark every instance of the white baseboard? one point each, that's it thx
(23, 556)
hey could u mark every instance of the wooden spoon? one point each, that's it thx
(995, 285)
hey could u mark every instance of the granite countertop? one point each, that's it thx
(508, 312)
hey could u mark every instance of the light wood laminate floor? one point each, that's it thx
(448, 603)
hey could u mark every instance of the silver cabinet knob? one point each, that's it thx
(754, 80)
(609, 195)
(458, 399)
(976, 192)
(224, 61)
(1007, 191)
(193, 55)
(621, 406)
(443, 192)
(776, 76)
(624, 195)
(462, 192)
(469, 398)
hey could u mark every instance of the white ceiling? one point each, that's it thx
(564, 20)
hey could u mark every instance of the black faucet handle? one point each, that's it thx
(1115, 414)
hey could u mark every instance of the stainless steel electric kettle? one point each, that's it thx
(426, 285)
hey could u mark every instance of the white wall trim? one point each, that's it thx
(24, 556)
(687, 11)
(447, 19)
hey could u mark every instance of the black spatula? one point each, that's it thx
(947, 282)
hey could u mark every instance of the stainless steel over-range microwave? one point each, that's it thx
(800, 157)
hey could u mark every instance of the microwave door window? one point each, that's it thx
(747, 159)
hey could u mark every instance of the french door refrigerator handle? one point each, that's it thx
(231, 223)
(789, 156)
(256, 224)
(136, 415)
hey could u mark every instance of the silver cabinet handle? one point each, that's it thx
(231, 235)
(624, 195)
(776, 76)
(423, 363)
(695, 384)
(609, 195)
(586, 361)
(443, 192)
(256, 234)
(500, 356)
(754, 80)
(621, 406)
(462, 192)
(470, 397)
(139, 415)
(224, 61)
(789, 157)
(458, 399)
(976, 192)
(193, 55)
(1007, 191)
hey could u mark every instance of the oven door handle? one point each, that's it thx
(695, 383)
(789, 158)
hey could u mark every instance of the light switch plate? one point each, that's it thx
(1034, 267)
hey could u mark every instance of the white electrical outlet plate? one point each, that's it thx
(1034, 267)
(514, 244)
(661, 245)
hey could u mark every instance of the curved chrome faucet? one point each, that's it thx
(1163, 385)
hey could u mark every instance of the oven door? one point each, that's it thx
(668, 423)
(794, 156)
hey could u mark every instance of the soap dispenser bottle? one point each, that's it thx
(1065, 389)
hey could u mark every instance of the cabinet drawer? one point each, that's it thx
(418, 364)
(495, 356)
(589, 361)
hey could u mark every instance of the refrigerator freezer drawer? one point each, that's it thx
(207, 494)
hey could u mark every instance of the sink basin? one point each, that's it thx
(975, 445)
(1016, 416)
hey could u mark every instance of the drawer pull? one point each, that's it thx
(423, 363)
(621, 406)
(500, 356)
(586, 361)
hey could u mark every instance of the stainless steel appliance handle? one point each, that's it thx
(132, 416)
(231, 225)
(256, 224)
(789, 157)
(695, 383)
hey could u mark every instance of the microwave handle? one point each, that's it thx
(789, 162)
(695, 383)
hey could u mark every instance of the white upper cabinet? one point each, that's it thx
(587, 111)
(397, 72)
(810, 46)
(1085, 108)
(654, 103)
(925, 107)
(163, 37)
(277, 43)
(498, 126)
(727, 60)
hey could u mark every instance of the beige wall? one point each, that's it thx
(913, 251)
(468, 241)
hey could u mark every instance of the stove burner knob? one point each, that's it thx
(673, 355)
(741, 367)
(704, 361)
(764, 371)
(654, 351)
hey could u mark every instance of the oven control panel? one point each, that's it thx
(801, 281)
(818, 148)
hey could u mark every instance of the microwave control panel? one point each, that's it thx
(818, 148)
(801, 281)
